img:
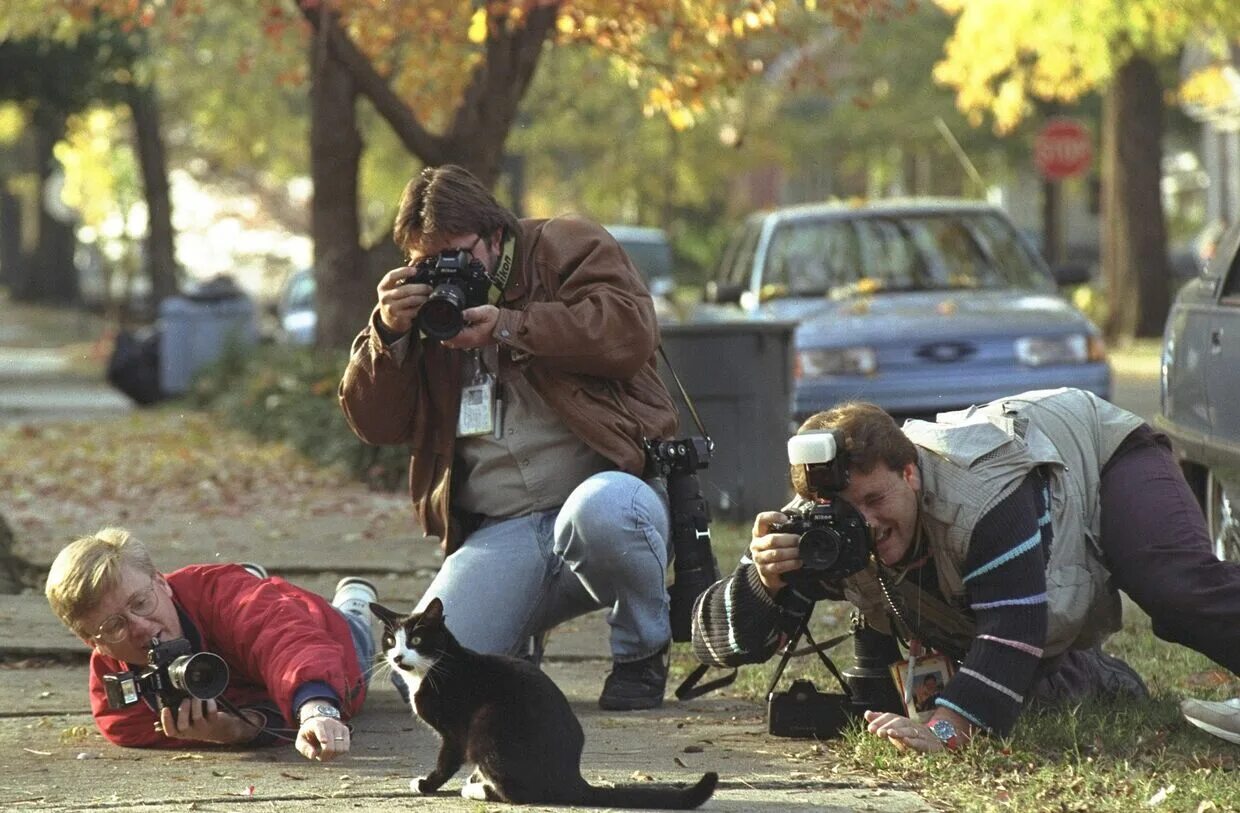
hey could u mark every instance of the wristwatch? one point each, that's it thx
(946, 733)
(321, 710)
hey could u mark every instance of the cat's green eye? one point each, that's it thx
(415, 640)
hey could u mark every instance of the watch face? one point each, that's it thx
(944, 730)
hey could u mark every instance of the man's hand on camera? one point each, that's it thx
(399, 303)
(773, 554)
(202, 720)
(322, 738)
(479, 325)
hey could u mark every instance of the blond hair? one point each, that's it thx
(90, 567)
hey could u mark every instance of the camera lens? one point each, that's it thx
(204, 675)
(440, 318)
(819, 548)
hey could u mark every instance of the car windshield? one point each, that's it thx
(877, 253)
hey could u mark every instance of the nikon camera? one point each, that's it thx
(459, 282)
(835, 540)
(694, 565)
(175, 673)
(803, 712)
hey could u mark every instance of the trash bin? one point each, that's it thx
(739, 375)
(196, 327)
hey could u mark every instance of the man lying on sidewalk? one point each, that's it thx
(290, 654)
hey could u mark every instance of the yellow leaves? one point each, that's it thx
(12, 122)
(1212, 87)
(1003, 52)
(478, 27)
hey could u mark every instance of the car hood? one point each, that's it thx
(922, 315)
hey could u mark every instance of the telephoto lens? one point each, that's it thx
(440, 317)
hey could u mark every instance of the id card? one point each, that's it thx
(920, 685)
(477, 414)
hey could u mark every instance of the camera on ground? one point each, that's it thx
(175, 673)
(803, 712)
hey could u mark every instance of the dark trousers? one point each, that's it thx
(1159, 552)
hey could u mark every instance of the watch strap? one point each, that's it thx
(321, 710)
(946, 733)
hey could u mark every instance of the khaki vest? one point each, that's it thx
(970, 460)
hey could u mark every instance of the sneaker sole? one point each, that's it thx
(1222, 733)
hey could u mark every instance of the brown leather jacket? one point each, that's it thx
(576, 315)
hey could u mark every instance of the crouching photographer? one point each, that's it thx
(998, 540)
(212, 653)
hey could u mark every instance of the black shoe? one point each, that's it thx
(635, 685)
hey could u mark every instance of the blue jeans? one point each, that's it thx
(363, 641)
(606, 547)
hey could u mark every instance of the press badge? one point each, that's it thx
(477, 415)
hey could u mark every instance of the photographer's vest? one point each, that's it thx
(970, 461)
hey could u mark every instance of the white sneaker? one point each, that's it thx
(353, 596)
(258, 570)
(1218, 717)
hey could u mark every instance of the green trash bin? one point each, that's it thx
(739, 376)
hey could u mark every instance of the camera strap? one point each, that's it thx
(689, 688)
(790, 651)
(684, 395)
(503, 272)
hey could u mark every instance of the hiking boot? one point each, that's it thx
(1218, 717)
(353, 596)
(636, 684)
(257, 569)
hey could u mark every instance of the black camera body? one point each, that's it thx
(175, 673)
(694, 566)
(459, 281)
(803, 712)
(834, 543)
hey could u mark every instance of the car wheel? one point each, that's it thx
(1222, 518)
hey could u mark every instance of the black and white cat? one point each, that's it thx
(506, 718)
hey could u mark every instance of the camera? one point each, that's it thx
(175, 672)
(459, 281)
(694, 567)
(803, 712)
(835, 539)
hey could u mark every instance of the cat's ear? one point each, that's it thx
(433, 611)
(389, 618)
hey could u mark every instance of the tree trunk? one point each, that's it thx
(1052, 222)
(12, 263)
(344, 287)
(1134, 247)
(160, 264)
(481, 123)
(49, 275)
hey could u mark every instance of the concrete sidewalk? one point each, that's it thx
(53, 758)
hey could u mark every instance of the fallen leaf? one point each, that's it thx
(1160, 797)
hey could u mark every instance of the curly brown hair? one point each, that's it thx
(868, 434)
(446, 201)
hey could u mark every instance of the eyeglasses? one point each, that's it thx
(115, 628)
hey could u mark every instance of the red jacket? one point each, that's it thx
(273, 635)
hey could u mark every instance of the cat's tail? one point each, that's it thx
(653, 797)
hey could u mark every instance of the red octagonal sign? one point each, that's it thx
(1062, 149)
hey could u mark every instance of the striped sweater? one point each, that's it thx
(736, 622)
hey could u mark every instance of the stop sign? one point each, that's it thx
(1062, 149)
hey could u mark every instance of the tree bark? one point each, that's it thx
(12, 262)
(481, 123)
(49, 274)
(160, 264)
(1134, 246)
(344, 288)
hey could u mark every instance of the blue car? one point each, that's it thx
(920, 306)
(1201, 390)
